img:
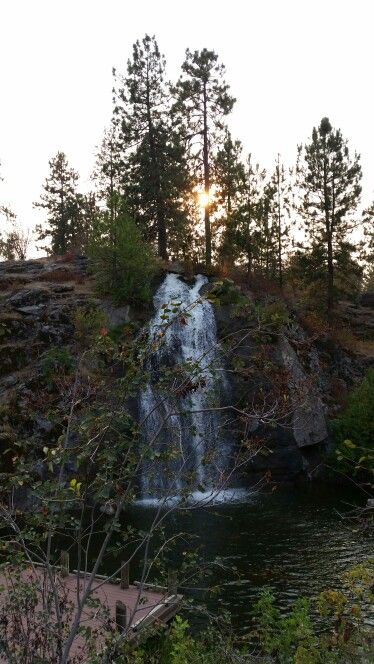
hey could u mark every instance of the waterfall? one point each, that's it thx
(186, 450)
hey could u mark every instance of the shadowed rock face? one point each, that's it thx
(38, 299)
(308, 417)
(37, 302)
(316, 374)
(367, 299)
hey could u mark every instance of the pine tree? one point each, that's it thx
(229, 178)
(202, 100)
(280, 208)
(108, 173)
(266, 232)
(248, 232)
(367, 254)
(156, 176)
(329, 179)
(59, 199)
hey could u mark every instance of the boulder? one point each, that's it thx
(32, 310)
(29, 296)
(308, 417)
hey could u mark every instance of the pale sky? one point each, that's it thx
(289, 63)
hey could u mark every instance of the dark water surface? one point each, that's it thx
(293, 540)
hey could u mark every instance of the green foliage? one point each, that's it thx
(225, 292)
(156, 180)
(56, 362)
(354, 429)
(212, 646)
(123, 264)
(329, 178)
(273, 316)
(296, 639)
(306, 273)
(283, 636)
(88, 323)
(179, 645)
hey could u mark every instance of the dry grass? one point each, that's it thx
(61, 276)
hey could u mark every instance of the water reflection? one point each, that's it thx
(294, 540)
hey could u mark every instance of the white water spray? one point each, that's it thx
(183, 424)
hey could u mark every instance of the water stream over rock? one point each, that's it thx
(178, 422)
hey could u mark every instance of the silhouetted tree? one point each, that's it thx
(202, 101)
(14, 240)
(229, 178)
(330, 186)
(248, 236)
(59, 199)
(155, 170)
(281, 203)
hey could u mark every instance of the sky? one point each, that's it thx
(288, 63)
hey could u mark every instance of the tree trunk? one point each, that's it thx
(62, 247)
(330, 276)
(160, 212)
(249, 239)
(280, 266)
(113, 233)
(208, 236)
(328, 227)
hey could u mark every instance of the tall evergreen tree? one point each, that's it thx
(266, 232)
(59, 199)
(229, 178)
(281, 203)
(202, 101)
(329, 179)
(156, 175)
(248, 232)
(368, 246)
(108, 173)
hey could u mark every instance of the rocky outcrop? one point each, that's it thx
(359, 317)
(38, 303)
(313, 373)
(308, 414)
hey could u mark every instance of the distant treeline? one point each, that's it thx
(169, 162)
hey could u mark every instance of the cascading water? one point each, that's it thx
(186, 450)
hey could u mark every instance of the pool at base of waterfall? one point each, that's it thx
(294, 541)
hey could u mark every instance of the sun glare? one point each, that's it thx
(203, 198)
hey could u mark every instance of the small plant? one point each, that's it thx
(123, 264)
(88, 323)
(354, 430)
(293, 639)
(56, 361)
(224, 292)
(272, 316)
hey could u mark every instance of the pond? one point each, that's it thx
(294, 540)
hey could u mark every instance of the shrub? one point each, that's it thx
(273, 316)
(354, 429)
(56, 361)
(123, 264)
(88, 323)
(224, 291)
